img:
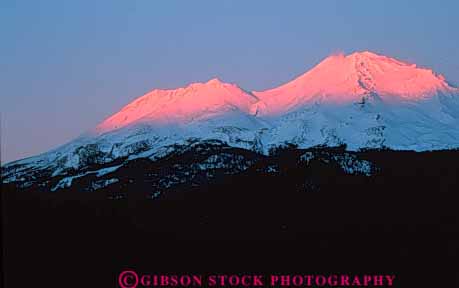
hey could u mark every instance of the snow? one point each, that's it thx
(342, 79)
(103, 183)
(363, 100)
(222, 161)
(67, 181)
(108, 170)
(63, 183)
(350, 164)
(196, 101)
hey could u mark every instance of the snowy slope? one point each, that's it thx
(363, 100)
(342, 79)
(196, 102)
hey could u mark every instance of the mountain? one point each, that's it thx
(195, 103)
(343, 79)
(362, 101)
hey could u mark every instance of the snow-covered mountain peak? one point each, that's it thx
(342, 79)
(362, 100)
(395, 77)
(215, 82)
(370, 57)
(182, 105)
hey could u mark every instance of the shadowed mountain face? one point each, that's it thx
(202, 191)
(376, 211)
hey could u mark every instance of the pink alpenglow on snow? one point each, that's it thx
(182, 105)
(362, 100)
(337, 80)
(341, 79)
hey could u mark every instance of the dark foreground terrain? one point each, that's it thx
(404, 219)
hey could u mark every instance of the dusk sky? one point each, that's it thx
(67, 65)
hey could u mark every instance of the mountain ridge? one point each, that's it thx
(338, 102)
(338, 79)
(181, 104)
